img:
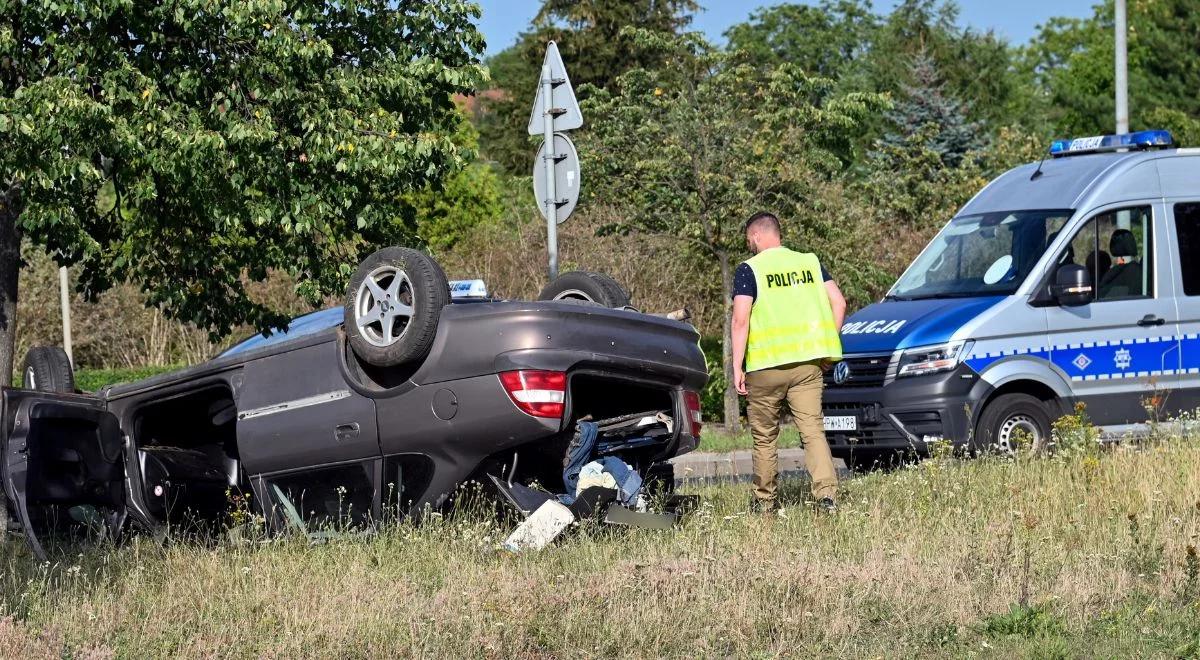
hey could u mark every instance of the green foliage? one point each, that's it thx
(236, 138)
(589, 36)
(93, 380)
(468, 198)
(691, 149)
(924, 107)
(1024, 621)
(830, 39)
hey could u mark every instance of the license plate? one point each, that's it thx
(841, 423)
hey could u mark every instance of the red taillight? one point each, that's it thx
(537, 393)
(691, 401)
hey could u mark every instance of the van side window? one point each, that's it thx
(1187, 227)
(1116, 249)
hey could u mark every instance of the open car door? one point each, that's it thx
(63, 467)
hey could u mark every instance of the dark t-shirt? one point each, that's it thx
(745, 285)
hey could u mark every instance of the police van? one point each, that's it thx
(1074, 279)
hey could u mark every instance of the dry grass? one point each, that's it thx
(1070, 556)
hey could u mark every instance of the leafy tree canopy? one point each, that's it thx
(691, 149)
(235, 136)
(589, 36)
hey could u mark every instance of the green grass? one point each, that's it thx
(91, 380)
(717, 439)
(1090, 554)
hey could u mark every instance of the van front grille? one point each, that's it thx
(860, 371)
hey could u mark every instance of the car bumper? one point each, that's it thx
(906, 414)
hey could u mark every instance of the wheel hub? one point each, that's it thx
(1014, 426)
(384, 306)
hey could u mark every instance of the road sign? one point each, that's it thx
(565, 108)
(566, 178)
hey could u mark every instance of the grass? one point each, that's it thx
(717, 439)
(91, 380)
(1082, 554)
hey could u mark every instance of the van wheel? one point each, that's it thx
(1011, 422)
(393, 305)
(592, 287)
(48, 369)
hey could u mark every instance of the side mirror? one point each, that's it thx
(1072, 285)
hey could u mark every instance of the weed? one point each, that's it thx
(1145, 556)
(1030, 622)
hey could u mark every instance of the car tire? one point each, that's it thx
(48, 369)
(393, 305)
(592, 287)
(1008, 414)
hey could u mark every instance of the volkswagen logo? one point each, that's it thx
(841, 373)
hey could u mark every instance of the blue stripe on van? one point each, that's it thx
(1130, 358)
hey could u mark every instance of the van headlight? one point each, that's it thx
(933, 359)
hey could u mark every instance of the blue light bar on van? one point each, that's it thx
(1099, 143)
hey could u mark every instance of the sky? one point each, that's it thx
(1016, 20)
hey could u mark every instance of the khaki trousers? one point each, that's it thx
(799, 386)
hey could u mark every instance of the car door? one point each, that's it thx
(63, 467)
(1121, 351)
(1186, 224)
(296, 411)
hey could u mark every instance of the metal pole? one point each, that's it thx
(65, 296)
(1121, 77)
(551, 200)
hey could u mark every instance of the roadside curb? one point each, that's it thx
(736, 465)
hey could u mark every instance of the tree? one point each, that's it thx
(588, 34)
(829, 40)
(925, 107)
(691, 149)
(234, 137)
(1071, 59)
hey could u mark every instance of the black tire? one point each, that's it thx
(594, 287)
(1005, 415)
(47, 369)
(380, 332)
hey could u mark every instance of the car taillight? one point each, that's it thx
(537, 393)
(691, 401)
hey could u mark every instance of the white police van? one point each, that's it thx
(1075, 279)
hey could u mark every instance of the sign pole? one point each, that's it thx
(65, 298)
(551, 200)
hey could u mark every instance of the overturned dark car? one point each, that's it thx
(378, 410)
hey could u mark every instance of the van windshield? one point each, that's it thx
(980, 255)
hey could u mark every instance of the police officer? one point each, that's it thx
(787, 313)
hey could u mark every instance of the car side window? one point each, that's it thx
(326, 499)
(1116, 248)
(1187, 228)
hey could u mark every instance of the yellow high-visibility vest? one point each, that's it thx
(792, 320)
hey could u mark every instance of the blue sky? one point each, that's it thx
(1015, 19)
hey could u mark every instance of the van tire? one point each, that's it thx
(1008, 414)
(48, 369)
(580, 285)
(426, 293)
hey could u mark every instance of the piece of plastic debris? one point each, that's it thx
(540, 528)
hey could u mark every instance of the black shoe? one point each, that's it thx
(827, 505)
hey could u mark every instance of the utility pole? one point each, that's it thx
(64, 292)
(1121, 76)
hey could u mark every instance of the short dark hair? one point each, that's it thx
(763, 220)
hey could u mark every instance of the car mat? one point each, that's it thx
(591, 500)
(619, 515)
(522, 498)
